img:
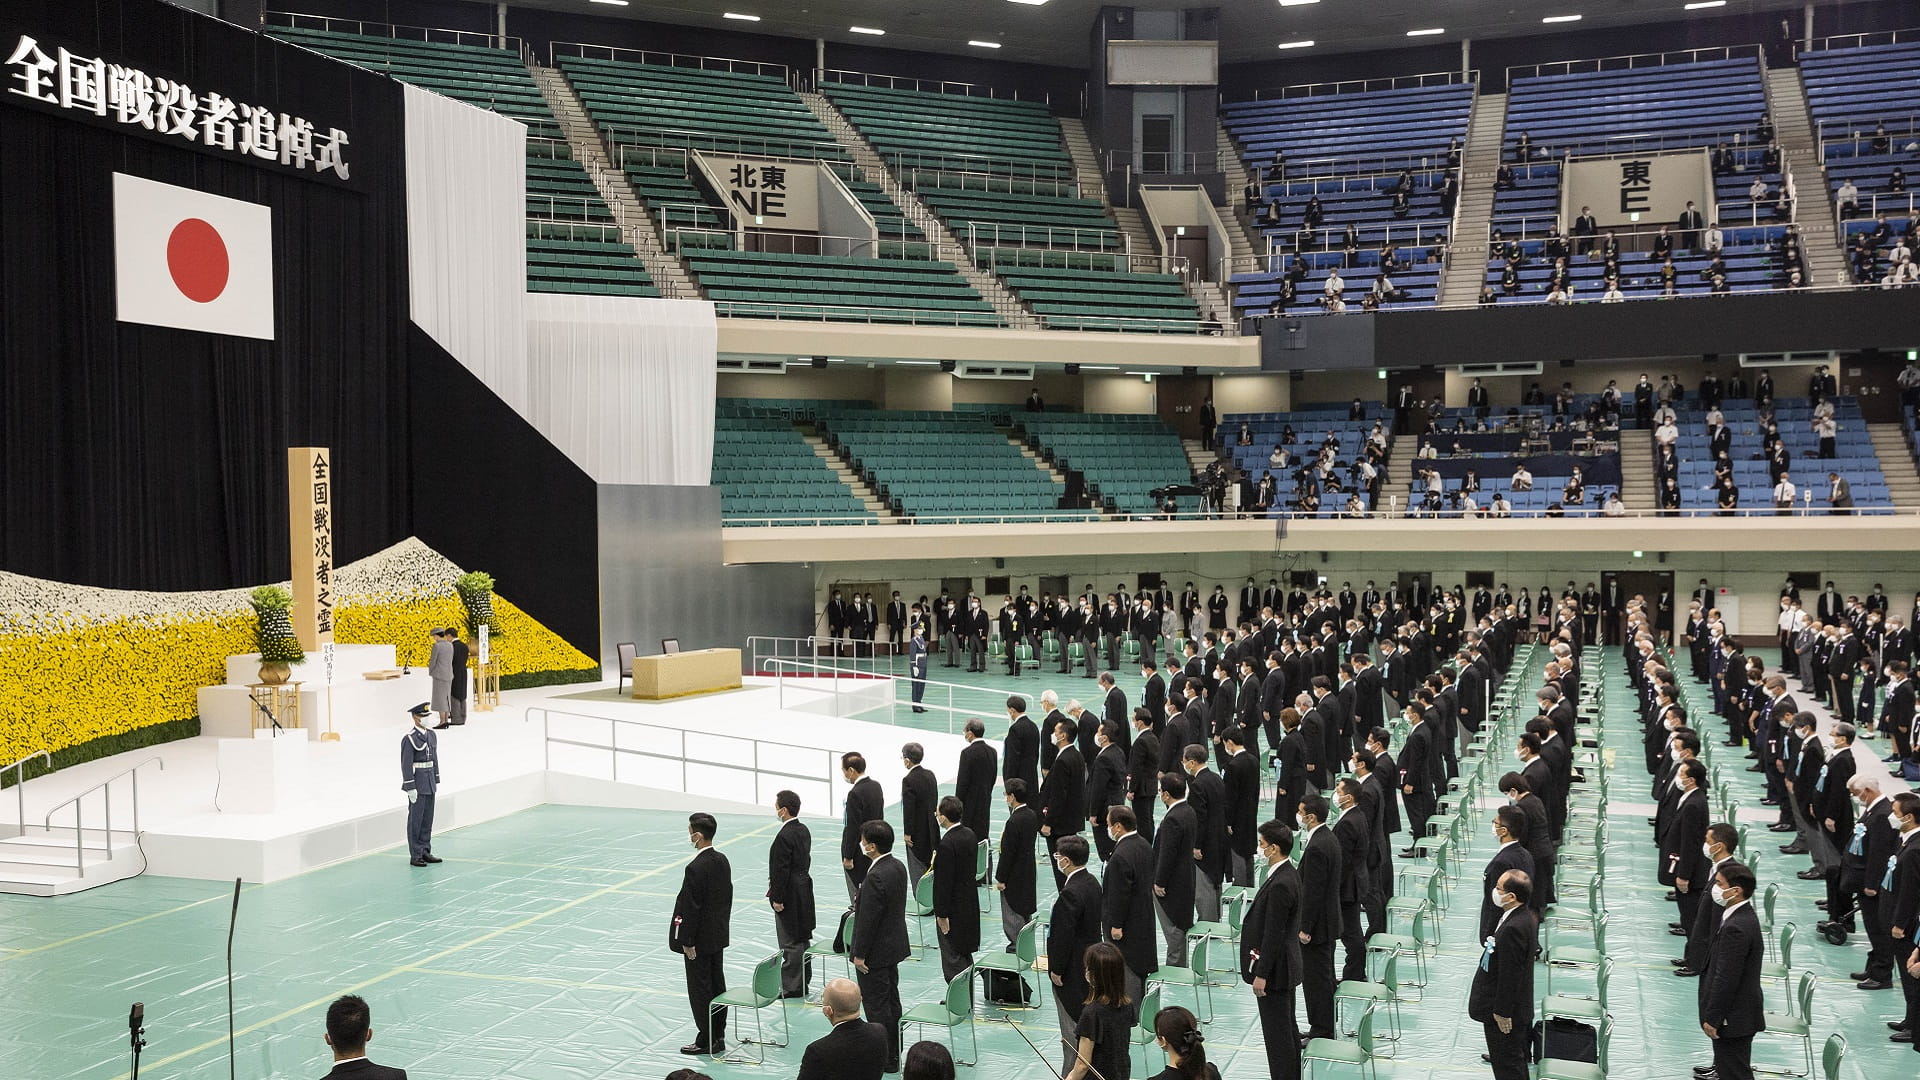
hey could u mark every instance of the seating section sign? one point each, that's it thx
(766, 193)
(1638, 191)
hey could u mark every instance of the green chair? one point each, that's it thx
(1799, 1028)
(1563, 1069)
(1587, 1010)
(1414, 944)
(822, 948)
(1371, 993)
(762, 992)
(1225, 930)
(1358, 1052)
(922, 909)
(1194, 975)
(1408, 905)
(1579, 956)
(1832, 1055)
(1783, 970)
(982, 864)
(1023, 958)
(1143, 1034)
(950, 1012)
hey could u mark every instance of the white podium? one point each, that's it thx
(358, 704)
(262, 774)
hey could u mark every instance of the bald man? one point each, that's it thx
(855, 1049)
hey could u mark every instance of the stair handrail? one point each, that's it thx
(20, 781)
(79, 833)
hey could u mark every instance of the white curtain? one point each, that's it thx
(466, 236)
(625, 386)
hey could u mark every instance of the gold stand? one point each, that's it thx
(281, 700)
(486, 684)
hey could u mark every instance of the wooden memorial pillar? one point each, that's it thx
(310, 542)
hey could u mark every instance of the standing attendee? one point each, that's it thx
(1416, 775)
(440, 672)
(1502, 994)
(702, 920)
(1020, 750)
(865, 802)
(457, 692)
(1208, 794)
(1270, 952)
(349, 1028)
(1731, 1005)
(419, 780)
(1320, 925)
(1106, 785)
(1354, 833)
(1240, 773)
(917, 665)
(1872, 847)
(973, 782)
(1126, 899)
(1143, 772)
(790, 893)
(880, 932)
(1900, 882)
(1509, 827)
(1173, 875)
(853, 1049)
(956, 904)
(919, 793)
(1103, 1043)
(1063, 793)
(1177, 1032)
(1073, 926)
(1014, 877)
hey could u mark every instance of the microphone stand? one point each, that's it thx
(271, 719)
(137, 1035)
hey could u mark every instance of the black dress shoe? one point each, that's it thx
(417, 862)
(1731, 742)
(1686, 973)
(1711, 1073)
(1821, 904)
(693, 1049)
(1779, 826)
(432, 858)
(1893, 1026)
(1753, 768)
(1901, 1037)
(1673, 894)
(1873, 984)
(1811, 873)
(1676, 962)
(1858, 975)
(1676, 931)
(1675, 926)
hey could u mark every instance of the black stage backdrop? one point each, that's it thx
(150, 458)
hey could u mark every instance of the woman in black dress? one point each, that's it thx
(1178, 1033)
(1105, 1031)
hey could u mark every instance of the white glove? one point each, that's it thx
(412, 796)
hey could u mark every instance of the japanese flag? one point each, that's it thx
(190, 260)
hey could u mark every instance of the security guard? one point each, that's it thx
(420, 778)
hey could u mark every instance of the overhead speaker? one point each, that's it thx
(1189, 371)
(1073, 369)
(819, 361)
(948, 366)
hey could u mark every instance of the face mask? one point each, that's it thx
(1499, 898)
(1707, 851)
(1719, 896)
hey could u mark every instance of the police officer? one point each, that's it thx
(917, 664)
(420, 778)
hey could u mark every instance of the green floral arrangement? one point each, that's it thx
(475, 588)
(273, 627)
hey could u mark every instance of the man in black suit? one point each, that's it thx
(1502, 994)
(1106, 785)
(1063, 795)
(790, 893)
(919, 793)
(1020, 751)
(977, 624)
(1126, 899)
(1722, 844)
(1732, 1008)
(1014, 877)
(349, 1027)
(1416, 775)
(1270, 951)
(1680, 845)
(1320, 925)
(1873, 843)
(865, 802)
(1173, 873)
(1900, 905)
(1208, 794)
(880, 932)
(854, 1049)
(702, 920)
(1072, 927)
(1273, 698)
(973, 779)
(1509, 831)
(1153, 694)
(956, 905)
(1291, 758)
(1240, 774)
(1535, 838)
(1143, 772)
(1371, 793)
(1354, 833)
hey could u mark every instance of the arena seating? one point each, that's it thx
(929, 465)
(1311, 425)
(764, 469)
(1641, 108)
(1850, 93)
(1750, 254)
(559, 258)
(759, 284)
(998, 175)
(1123, 457)
(1854, 456)
(1347, 151)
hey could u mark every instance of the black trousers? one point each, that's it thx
(880, 991)
(1353, 941)
(1543, 893)
(1102, 839)
(706, 980)
(1419, 806)
(1733, 1057)
(1281, 1032)
(1318, 985)
(1509, 1051)
(1143, 815)
(1879, 940)
(1689, 903)
(1909, 986)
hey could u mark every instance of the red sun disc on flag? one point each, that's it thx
(197, 260)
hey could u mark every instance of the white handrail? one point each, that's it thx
(684, 758)
(20, 781)
(105, 788)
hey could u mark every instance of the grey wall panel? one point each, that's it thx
(661, 576)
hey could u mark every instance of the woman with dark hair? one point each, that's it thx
(1106, 1022)
(927, 1060)
(1178, 1033)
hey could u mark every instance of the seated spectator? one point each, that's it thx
(1721, 159)
(1555, 510)
(1335, 305)
(1287, 436)
(1613, 507)
(1720, 286)
(1277, 168)
(1270, 214)
(1554, 246)
(1847, 199)
(1610, 246)
(1902, 272)
(1335, 284)
(1402, 205)
(1794, 280)
(1716, 266)
(1522, 479)
(1523, 148)
(1575, 493)
(1897, 181)
(1403, 182)
(1880, 143)
(1252, 195)
(1663, 243)
(1279, 458)
(1356, 508)
(1763, 131)
(1384, 290)
(1714, 239)
(1503, 178)
(1370, 301)
(1500, 507)
(1757, 192)
(1469, 506)
(1283, 299)
(1488, 296)
(1245, 437)
(1613, 295)
(1669, 275)
(1311, 214)
(1510, 281)
(1666, 434)
(1560, 294)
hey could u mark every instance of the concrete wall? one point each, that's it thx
(1252, 393)
(1118, 394)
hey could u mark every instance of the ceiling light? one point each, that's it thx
(1029, 3)
(615, 3)
(1307, 44)
(1425, 33)
(1297, 3)
(920, 363)
(984, 44)
(742, 18)
(1698, 4)
(1099, 367)
(1560, 18)
(866, 30)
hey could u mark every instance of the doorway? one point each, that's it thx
(1179, 398)
(1655, 585)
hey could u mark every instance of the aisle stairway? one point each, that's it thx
(1636, 469)
(41, 862)
(1896, 464)
(637, 227)
(1793, 131)
(1479, 160)
(847, 476)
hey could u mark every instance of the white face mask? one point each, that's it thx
(1720, 896)
(1707, 850)
(1500, 899)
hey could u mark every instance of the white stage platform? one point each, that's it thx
(349, 801)
(356, 705)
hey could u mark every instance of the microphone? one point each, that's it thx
(136, 1021)
(136, 1017)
